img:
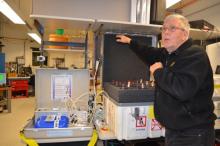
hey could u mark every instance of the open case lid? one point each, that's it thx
(53, 85)
(121, 63)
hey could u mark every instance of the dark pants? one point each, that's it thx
(190, 137)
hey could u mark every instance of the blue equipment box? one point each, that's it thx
(52, 121)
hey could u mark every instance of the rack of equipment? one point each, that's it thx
(61, 114)
(128, 102)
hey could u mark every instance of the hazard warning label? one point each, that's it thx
(155, 125)
(141, 121)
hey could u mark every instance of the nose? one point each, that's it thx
(165, 32)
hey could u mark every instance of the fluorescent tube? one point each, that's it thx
(10, 13)
(35, 37)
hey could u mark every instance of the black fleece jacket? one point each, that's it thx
(184, 86)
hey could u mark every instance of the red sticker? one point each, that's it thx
(141, 121)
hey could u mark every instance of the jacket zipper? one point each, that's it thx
(167, 60)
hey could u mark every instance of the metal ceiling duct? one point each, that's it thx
(140, 11)
(141, 15)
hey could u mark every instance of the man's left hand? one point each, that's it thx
(155, 66)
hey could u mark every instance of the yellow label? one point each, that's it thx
(216, 86)
(151, 112)
(172, 64)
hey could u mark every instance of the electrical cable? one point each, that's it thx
(97, 110)
(28, 141)
(95, 75)
(93, 139)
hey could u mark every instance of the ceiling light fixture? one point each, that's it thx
(10, 13)
(35, 37)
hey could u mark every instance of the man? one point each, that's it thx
(184, 84)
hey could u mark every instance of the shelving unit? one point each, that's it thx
(72, 48)
(50, 23)
(117, 26)
(70, 25)
(127, 27)
(64, 50)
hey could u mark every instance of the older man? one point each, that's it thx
(184, 84)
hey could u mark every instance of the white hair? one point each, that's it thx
(183, 21)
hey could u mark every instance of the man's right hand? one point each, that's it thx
(123, 39)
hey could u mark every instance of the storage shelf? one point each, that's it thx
(64, 50)
(198, 34)
(72, 27)
(128, 27)
(71, 44)
(122, 27)
(52, 22)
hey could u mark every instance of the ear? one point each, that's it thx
(186, 34)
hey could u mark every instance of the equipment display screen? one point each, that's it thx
(2, 78)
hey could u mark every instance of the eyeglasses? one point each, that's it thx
(170, 29)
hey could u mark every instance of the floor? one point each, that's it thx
(12, 123)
